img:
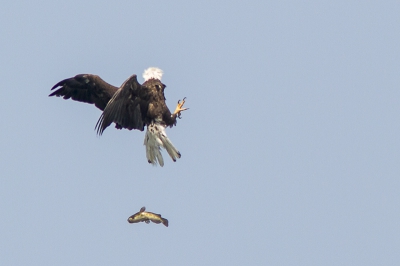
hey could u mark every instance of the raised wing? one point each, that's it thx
(85, 88)
(127, 108)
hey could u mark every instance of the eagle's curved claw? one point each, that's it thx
(179, 108)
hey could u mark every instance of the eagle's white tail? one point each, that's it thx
(156, 138)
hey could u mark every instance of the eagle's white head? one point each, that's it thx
(152, 73)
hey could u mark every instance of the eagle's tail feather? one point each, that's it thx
(153, 150)
(172, 151)
(156, 138)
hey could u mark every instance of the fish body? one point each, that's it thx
(143, 216)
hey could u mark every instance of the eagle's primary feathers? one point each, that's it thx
(131, 106)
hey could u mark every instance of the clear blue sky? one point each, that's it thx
(290, 149)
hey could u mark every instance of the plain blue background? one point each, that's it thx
(290, 149)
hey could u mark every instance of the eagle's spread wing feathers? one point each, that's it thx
(85, 88)
(126, 108)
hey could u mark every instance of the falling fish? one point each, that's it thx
(143, 216)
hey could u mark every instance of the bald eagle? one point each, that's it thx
(143, 216)
(131, 106)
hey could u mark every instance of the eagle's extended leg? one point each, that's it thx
(179, 108)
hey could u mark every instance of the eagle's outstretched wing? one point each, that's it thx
(127, 108)
(86, 88)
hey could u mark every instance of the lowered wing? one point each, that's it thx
(127, 108)
(85, 88)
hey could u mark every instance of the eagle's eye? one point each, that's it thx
(160, 88)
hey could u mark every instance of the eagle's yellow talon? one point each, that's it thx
(179, 108)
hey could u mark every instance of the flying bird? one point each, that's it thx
(131, 106)
(143, 216)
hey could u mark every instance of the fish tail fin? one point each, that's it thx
(164, 221)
